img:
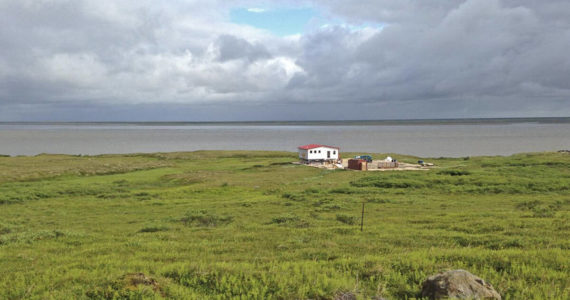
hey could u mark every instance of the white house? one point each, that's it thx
(316, 152)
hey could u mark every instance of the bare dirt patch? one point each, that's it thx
(372, 166)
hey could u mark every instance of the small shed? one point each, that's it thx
(358, 164)
(318, 152)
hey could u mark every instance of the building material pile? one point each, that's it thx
(387, 164)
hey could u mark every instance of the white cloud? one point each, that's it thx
(256, 10)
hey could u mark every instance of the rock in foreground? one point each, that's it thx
(458, 284)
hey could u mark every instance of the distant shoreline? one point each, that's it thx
(459, 121)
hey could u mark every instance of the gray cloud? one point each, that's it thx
(431, 58)
(478, 49)
(231, 47)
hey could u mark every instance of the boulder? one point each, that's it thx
(458, 284)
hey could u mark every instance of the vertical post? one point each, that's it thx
(362, 218)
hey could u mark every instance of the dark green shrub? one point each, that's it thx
(528, 205)
(153, 229)
(289, 220)
(346, 191)
(346, 219)
(129, 286)
(312, 191)
(285, 218)
(379, 200)
(294, 197)
(454, 172)
(543, 212)
(205, 219)
(389, 183)
(4, 229)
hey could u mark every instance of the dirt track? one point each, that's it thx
(373, 166)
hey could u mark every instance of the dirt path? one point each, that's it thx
(373, 166)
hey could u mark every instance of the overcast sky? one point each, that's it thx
(186, 60)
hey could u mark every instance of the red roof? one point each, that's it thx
(313, 146)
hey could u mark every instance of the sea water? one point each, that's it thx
(426, 138)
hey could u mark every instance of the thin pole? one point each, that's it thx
(362, 218)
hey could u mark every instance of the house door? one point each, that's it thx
(328, 154)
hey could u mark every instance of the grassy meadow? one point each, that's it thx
(250, 225)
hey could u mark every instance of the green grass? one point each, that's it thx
(232, 224)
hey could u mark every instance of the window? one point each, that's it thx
(334, 152)
(319, 151)
(311, 151)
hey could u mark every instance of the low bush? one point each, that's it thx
(289, 220)
(129, 286)
(293, 196)
(204, 218)
(347, 191)
(454, 172)
(285, 218)
(528, 205)
(153, 229)
(346, 219)
(389, 183)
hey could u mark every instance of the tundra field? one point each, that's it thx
(250, 225)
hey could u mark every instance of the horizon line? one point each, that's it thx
(462, 120)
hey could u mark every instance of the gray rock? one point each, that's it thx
(458, 284)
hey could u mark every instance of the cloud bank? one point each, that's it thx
(184, 60)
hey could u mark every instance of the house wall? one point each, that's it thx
(315, 155)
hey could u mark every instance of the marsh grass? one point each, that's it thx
(231, 224)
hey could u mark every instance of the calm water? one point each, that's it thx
(427, 139)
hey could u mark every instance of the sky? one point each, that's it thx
(237, 60)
